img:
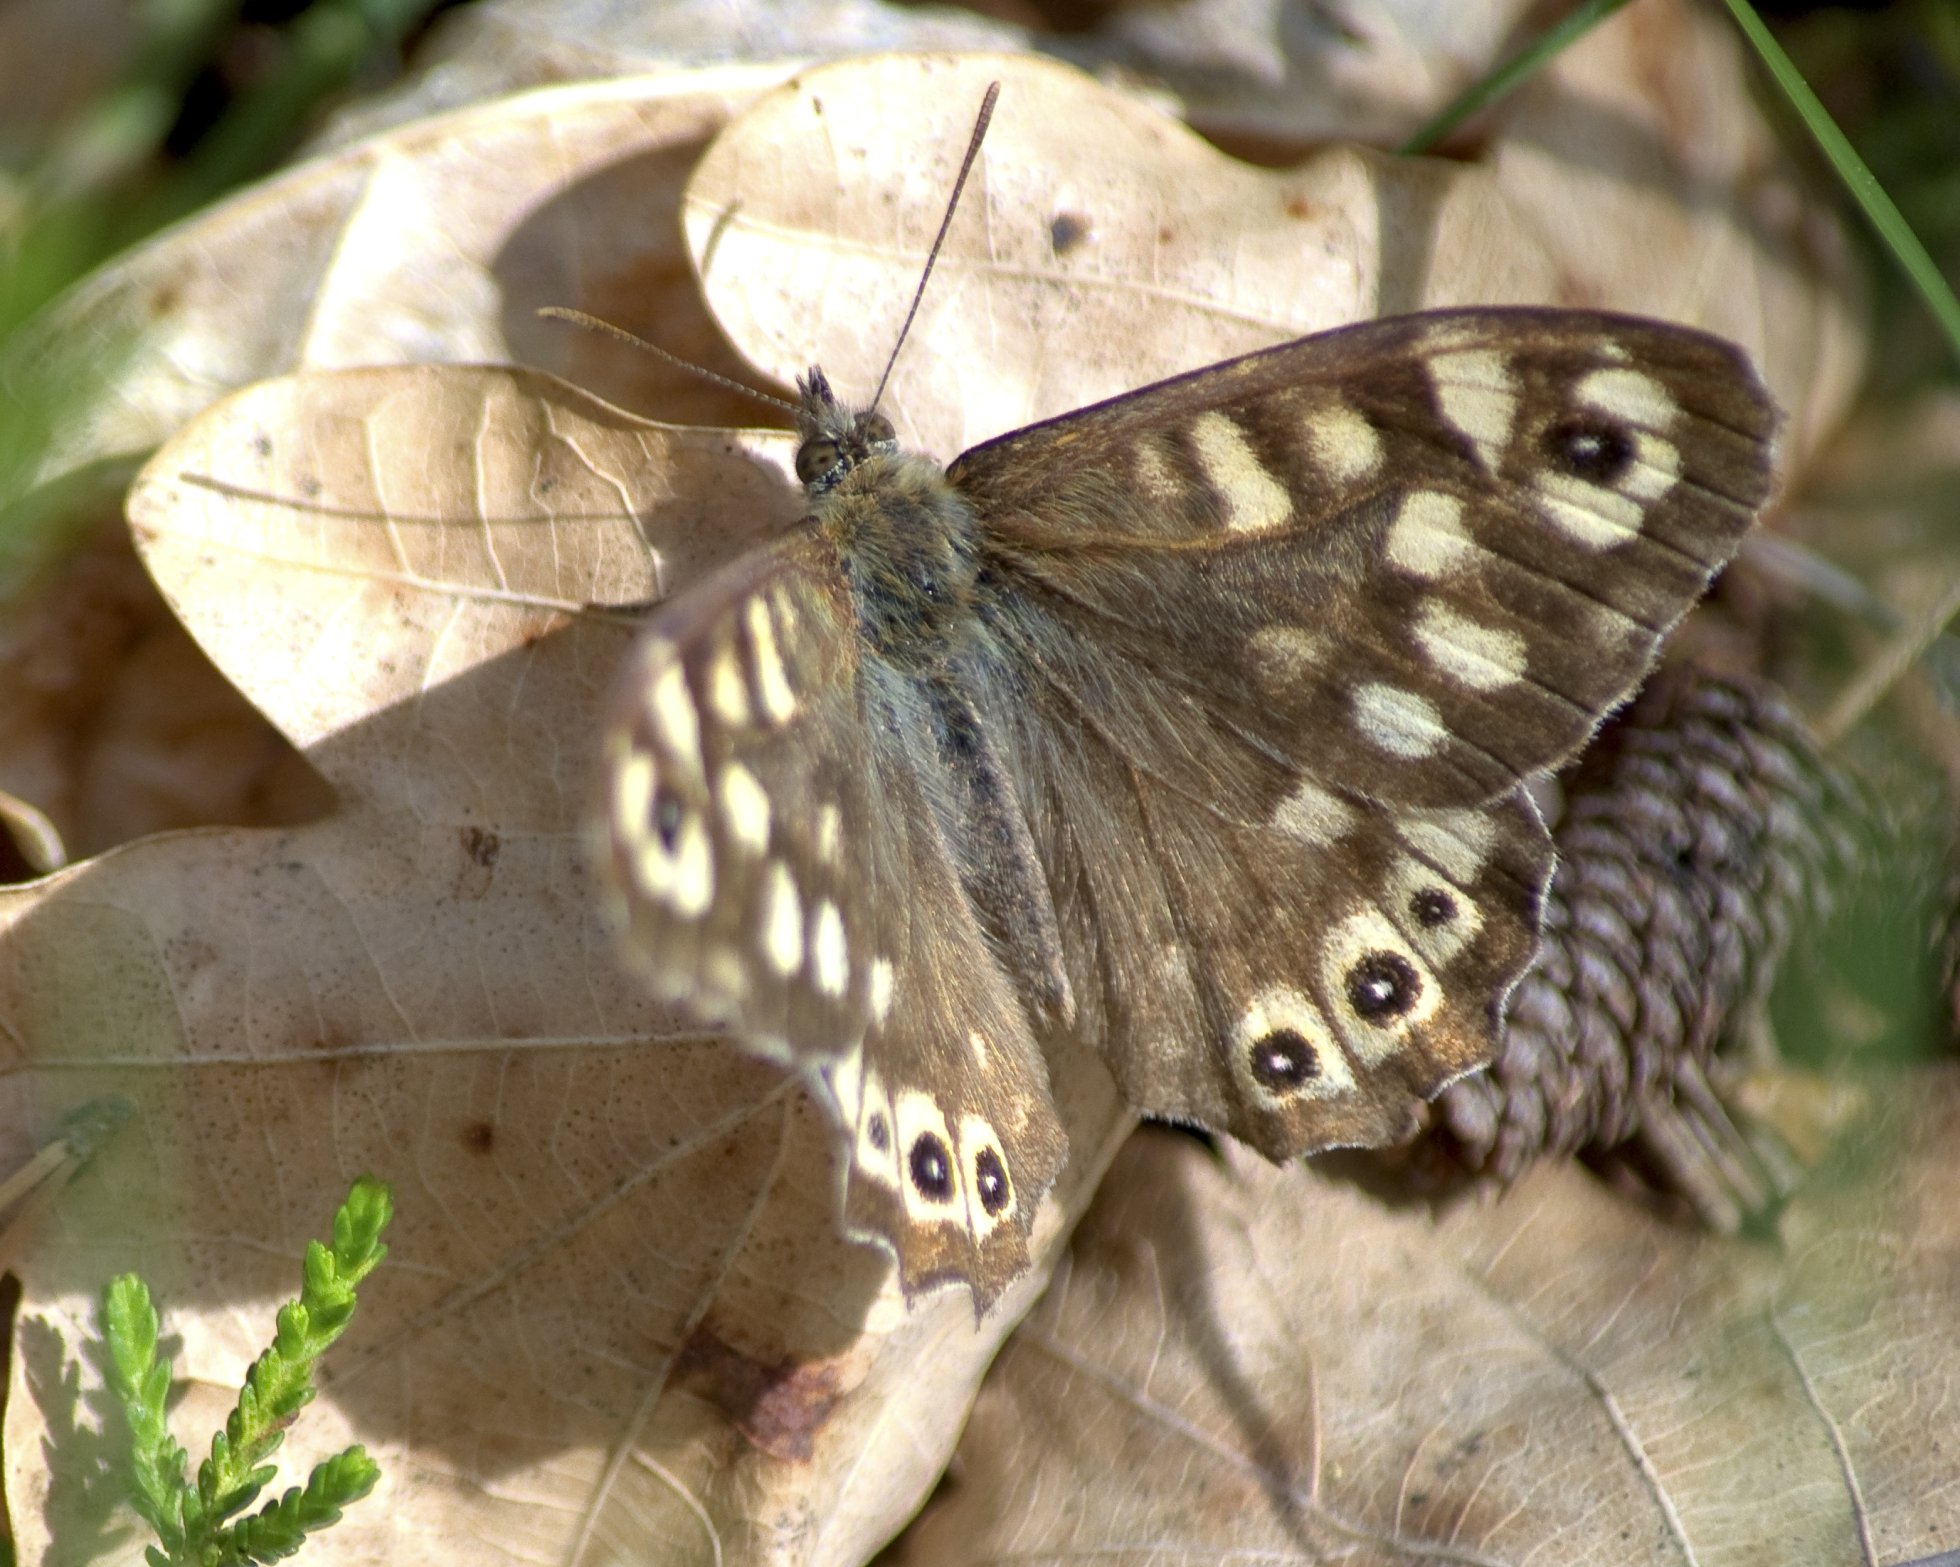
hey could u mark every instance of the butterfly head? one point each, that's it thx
(835, 439)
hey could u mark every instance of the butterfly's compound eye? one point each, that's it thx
(878, 431)
(814, 459)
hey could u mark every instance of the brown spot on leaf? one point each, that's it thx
(479, 1137)
(482, 846)
(779, 1407)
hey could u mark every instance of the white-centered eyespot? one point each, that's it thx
(928, 1163)
(1379, 984)
(1282, 1049)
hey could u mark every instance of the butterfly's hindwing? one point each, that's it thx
(1303, 980)
(782, 875)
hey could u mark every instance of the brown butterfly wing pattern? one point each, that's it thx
(1298, 626)
(1190, 727)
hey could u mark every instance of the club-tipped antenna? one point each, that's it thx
(952, 205)
(607, 329)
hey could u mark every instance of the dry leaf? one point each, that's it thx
(1247, 1363)
(438, 241)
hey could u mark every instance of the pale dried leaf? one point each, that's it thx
(1102, 246)
(438, 241)
(494, 47)
(1241, 1362)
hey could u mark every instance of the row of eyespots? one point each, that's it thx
(1285, 1047)
(905, 1143)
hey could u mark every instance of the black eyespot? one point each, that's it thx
(881, 1132)
(990, 1180)
(1589, 448)
(1431, 907)
(1283, 1059)
(666, 818)
(932, 1168)
(1383, 985)
(814, 459)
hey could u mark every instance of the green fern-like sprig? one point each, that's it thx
(199, 1526)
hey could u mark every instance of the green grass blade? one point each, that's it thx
(1858, 179)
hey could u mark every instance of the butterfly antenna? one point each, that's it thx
(607, 329)
(952, 205)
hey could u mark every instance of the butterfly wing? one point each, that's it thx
(1421, 556)
(1288, 636)
(777, 871)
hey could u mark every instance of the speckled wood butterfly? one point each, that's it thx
(1189, 727)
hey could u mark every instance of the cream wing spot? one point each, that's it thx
(1281, 1048)
(1478, 395)
(1591, 515)
(1656, 469)
(728, 692)
(1282, 656)
(845, 1080)
(1631, 395)
(1480, 657)
(633, 781)
(1438, 918)
(1254, 500)
(883, 984)
(877, 1136)
(1315, 815)
(1457, 842)
(829, 956)
(1381, 984)
(830, 833)
(1155, 478)
(1346, 446)
(782, 920)
(744, 807)
(677, 868)
(1427, 539)
(782, 604)
(1399, 722)
(771, 674)
(674, 716)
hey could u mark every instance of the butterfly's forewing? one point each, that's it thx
(1289, 633)
(1417, 558)
(779, 873)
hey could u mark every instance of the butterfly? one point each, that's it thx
(1191, 728)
